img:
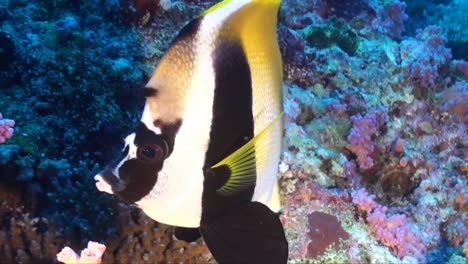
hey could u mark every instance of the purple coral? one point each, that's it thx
(455, 100)
(424, 59)
(6, 129)
(360, 137)
(462, 67)
(391, 17)
(393, 231)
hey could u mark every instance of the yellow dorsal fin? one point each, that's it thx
(226, 2)
(243, 162)
(216, 7)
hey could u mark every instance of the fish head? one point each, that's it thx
(134, 173)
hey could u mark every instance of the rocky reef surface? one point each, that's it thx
(374, 166)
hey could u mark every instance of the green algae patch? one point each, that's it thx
(334, 33)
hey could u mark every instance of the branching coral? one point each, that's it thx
(24, 239)
(147, 241)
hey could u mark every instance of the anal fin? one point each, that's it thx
(248, 234)
(186, 234)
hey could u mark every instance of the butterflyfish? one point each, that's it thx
(204, 156)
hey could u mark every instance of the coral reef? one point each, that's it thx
(390, 118)
(148, 241)
(425, 72)
(7, 50)
(447, 14)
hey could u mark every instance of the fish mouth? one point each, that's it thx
(102, 185)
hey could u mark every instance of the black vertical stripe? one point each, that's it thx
(150, 92)
(232, 125)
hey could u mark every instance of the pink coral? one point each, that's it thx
(393, 231)
(93, 253)
(68, 255)
(364, 201)
(90, 255)
(6, 129)
(360, 137)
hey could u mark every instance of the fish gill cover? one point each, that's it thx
(376, 96)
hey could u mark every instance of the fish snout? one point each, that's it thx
(107, 181)
(102, 185)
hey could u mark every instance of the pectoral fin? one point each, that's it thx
(251, 233)
(244, 162)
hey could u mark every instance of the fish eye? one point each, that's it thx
(150, 153)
